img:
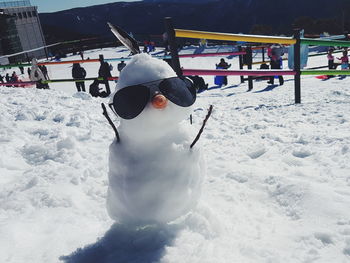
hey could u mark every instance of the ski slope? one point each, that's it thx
(277, 187)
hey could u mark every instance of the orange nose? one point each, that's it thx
(159, 101)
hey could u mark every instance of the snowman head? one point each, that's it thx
(150, 97)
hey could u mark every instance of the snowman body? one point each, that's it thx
(154, 176)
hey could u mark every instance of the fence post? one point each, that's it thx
(249, 62)
(105, 80)
(297, 66)
(175, 62)
(241, 62)
(263, 54)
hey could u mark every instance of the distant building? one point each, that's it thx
(9, 39)
(19, 21)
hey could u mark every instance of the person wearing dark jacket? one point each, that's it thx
(277, 52)
(79, 72)
(223, 64)
(7, 77)
(21, 68)
(44, 71)
(14, 77)
(121, 65)
(105, 72)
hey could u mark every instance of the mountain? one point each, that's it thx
(178, 1)
(234, 16)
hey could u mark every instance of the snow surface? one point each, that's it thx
(276, 190)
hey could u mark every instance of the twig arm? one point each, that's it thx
(105, 113)
(203, 125)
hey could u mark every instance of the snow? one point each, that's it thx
(276, 189)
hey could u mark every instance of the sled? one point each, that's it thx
(323, 77)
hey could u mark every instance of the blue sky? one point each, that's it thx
(58, 5)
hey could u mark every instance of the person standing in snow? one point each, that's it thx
(223, 65)
(7, 77)
(152, 46)
(105, 72)
(145, 46)
(81, 53)
(330, 58)
(269, 52)
(21, 69)
(277, 51)
(1, 78)
(344, 60)
(79, 72)
(44, 71)
(14, 77)
(121, 65)
(165, 43)
(37, 75)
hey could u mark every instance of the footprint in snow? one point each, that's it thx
(256, 153)
(301, 153)
(325, 238)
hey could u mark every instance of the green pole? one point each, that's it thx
(325, 72)
(324, 43)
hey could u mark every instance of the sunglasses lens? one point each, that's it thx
(179, 91)
(130, 102)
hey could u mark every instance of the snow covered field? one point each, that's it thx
(277, 187)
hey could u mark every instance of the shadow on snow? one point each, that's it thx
(268, 88)
(123, 243)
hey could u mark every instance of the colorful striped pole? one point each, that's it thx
(19, 83)
(68, 62)
(325, 72)
(78, 80)
(324, 43)
(16, 65)
(212, 54)
(29, 83)
(233, 37)
(218, 72)
(120, 59)
(259, 39)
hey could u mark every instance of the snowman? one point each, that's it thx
(154, 174)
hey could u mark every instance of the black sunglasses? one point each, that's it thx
(130, 101)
